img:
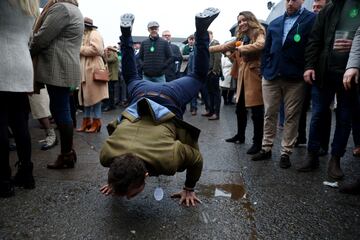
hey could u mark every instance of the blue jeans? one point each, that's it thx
(110, 102)
(180, 90)
(346, 105)
(193, 104)
(94, 110)
(60, 104)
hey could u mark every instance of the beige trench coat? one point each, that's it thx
(91, 92)
(247, 59)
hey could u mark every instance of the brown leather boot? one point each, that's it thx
(86, 124)
(334, 170)
(64, 160)
(95, 127)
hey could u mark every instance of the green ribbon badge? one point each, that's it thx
(297, 37)
(354, 12)
(152, 49)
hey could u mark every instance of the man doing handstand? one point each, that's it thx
(150, 138)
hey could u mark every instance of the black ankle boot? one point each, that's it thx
(24, 177)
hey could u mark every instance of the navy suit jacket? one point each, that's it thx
(286, 60)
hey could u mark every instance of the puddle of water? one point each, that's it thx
(233, 191)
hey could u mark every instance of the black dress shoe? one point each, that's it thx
(255, 148)
(236, 139)
(285, 161)
(262, 155)
(205, 18)
(126, 23)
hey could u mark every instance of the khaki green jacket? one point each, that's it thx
(113, 65)
(162, 144)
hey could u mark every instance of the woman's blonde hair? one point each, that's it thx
(254, 24)
(29, 7)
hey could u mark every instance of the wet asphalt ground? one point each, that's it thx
(241, 199)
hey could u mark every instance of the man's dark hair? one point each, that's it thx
(126, 171)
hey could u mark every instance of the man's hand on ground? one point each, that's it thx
(186, 197)
(106, 190)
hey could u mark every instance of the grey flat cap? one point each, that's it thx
(153, 24)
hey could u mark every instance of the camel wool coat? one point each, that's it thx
(91, 51)
(247, 60)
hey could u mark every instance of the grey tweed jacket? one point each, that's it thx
(57, 46)
(354, 58)
(16, 71)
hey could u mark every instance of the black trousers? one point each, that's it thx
(257, 116)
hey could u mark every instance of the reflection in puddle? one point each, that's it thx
(234, 192)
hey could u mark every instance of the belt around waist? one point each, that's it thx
(156, 94)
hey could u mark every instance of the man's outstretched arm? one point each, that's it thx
(192, 161)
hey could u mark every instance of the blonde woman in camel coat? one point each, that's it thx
(247, 49)
(91, 92)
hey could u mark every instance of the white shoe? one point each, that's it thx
(50, 140)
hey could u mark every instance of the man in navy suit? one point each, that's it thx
(282, 68)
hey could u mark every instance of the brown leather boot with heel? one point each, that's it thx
(95, 127)
(64, 160)
(334, 169)
(86, 124)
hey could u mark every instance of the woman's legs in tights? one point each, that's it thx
(15, 116)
